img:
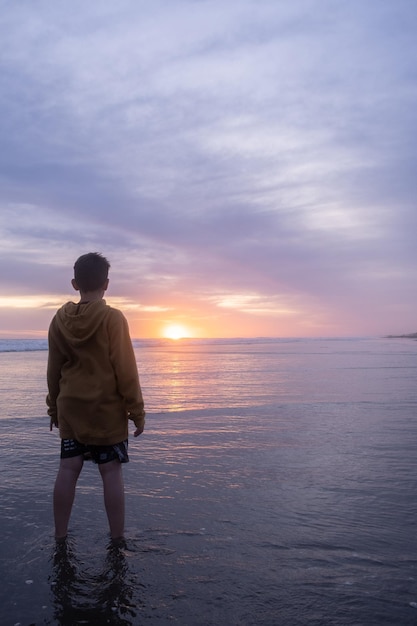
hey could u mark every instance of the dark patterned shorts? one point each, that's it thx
(98, 454)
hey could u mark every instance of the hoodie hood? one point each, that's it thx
(78, 322)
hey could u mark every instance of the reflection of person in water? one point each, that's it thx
(103, 598)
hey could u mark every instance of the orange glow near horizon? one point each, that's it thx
(27, 317)
(175, 332)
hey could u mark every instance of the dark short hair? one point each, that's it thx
(91, 271)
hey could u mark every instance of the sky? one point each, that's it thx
(248, 167)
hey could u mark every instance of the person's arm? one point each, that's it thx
(124, 364)
(55, 362)
(139, 430)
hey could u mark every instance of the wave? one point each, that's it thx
(23, 345)
(36, 345)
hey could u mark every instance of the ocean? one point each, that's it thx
(275, 485)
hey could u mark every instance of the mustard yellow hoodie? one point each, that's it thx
(93, 380)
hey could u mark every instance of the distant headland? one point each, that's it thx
(409, 336)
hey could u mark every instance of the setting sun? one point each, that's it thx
(175, 331)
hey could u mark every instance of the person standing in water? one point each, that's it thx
(93, 391)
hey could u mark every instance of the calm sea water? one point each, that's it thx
(275, 484)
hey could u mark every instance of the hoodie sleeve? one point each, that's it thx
(56, 359)
(123, 361)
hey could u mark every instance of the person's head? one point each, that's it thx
(91, 272)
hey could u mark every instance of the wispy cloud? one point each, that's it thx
(264, 151)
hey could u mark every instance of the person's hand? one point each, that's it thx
(53, 422)
(138, 431)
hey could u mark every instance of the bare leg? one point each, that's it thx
(64, 493)
(114, 496)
